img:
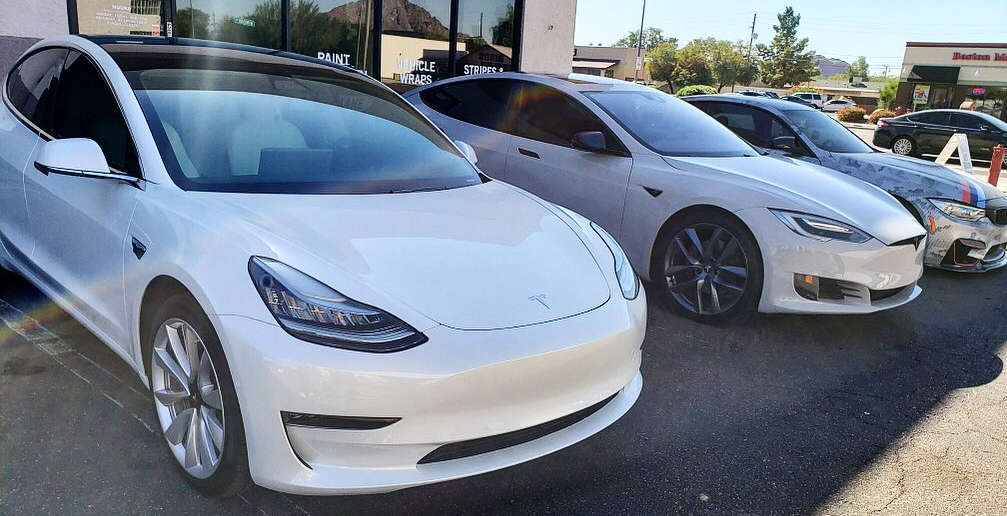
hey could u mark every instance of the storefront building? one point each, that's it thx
(954, 75)
(405, 43)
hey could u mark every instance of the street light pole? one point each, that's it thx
(639, 45)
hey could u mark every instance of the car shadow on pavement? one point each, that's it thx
(771, 416)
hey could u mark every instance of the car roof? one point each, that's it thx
(574, 82)
(732, 98)
(151, 49)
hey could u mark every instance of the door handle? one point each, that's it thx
(526, 152)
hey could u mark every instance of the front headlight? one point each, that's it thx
(959, 210)
(311, 311)
(628, 281)
(820, 228)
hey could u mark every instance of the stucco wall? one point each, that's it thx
(547, 37)
(23, 22)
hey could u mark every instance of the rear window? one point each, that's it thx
(292, 130)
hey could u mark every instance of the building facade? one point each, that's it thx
(405, 43)
(615, 62)
(954, 75)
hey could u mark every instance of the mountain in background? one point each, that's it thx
(830, 66)
(398, 16)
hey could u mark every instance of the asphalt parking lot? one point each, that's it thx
(899, 411)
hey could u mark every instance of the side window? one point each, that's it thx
(32, 85)
(754, 125)
(86, 108)
(482, 102)
(966, 121)
(931, 117)
(550, 116)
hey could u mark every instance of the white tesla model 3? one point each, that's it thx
(320, 289)
(725, 230)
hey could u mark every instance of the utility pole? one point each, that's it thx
(751, 38)
(639, 45)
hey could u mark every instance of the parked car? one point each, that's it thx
(724, 230)
(321, 291)
(967, 219)
(836, 104)
(927, 132)
(815, 99)
(799, 100)
(753, 93)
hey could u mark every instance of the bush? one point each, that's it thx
(878, 114)
(801, 89)
(695, 89)
(851, 114)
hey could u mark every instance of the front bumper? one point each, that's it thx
(944, 250)
(458, 386)
(869, 268)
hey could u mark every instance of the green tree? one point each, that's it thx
(859, 68)
(727, 62)
(662, 60)
(784, 60)
(691, 65)
(652, 37)
(192, 23)
(886, 97)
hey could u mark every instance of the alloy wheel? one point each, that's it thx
(706, 269)
(902, 146)
(187, 398)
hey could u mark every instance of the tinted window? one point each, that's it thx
(966, 121)
(32, 85)
(86, 108)
(551, 116)
(754, 125)
(668, 125)
(280, 128)
(481, 102)
(825, 132)
(931, 117)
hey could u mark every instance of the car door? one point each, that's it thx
(80, 224)
(29, 91)
(543, 160)
(981, 139)
(477, 112)
(933, 130)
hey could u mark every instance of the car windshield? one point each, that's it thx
(826, 133)
(670, 126)
(292, 130)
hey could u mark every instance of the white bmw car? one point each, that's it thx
(724, 229)
(320, 289)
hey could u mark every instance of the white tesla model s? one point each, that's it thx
(725, 230)
(319, 288)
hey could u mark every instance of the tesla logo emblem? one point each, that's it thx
(540, 298)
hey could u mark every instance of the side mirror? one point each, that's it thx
(785, 143)
(81, 157)
(591, 141)
(468, 151)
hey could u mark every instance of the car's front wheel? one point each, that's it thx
(904, 146)
(194, 398)
(712, 268)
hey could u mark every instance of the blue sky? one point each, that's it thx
(843, 30)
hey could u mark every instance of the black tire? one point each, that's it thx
(910, 145)
(746, 305)
(231, 475)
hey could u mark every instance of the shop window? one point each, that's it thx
(415, 42)
(250, 22)
(333, 30)
(986, 100)
(485, 36)
(120, 17)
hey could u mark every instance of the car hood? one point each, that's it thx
(469, 258)
(795, 185)
(910, 177)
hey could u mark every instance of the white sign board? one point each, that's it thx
(639, 63)
(959, 141)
